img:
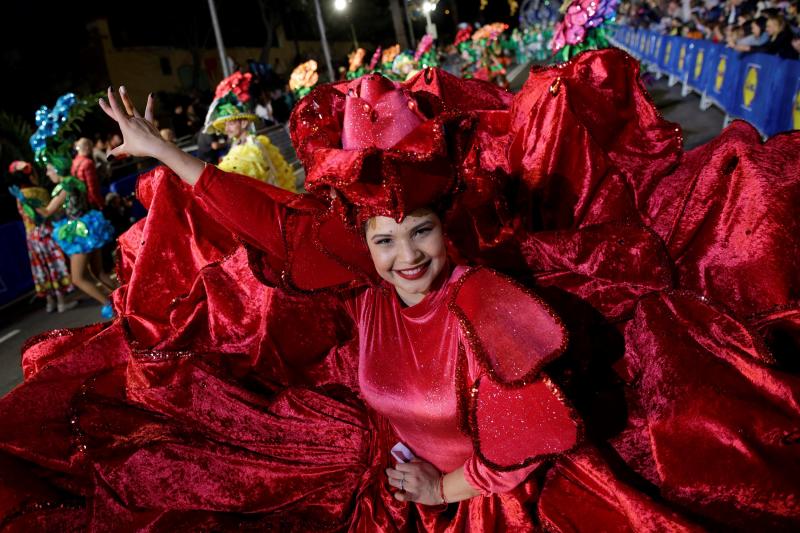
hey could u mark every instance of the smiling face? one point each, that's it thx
(409, 255)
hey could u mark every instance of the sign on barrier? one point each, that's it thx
(682, 51)
(750, 85)
(666, 56)
(725, 83)
(788, 112)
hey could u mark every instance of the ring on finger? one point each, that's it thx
(402, 484)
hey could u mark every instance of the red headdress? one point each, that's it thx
(389, 148)
(20, 166)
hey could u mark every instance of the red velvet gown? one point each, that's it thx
(224, 399)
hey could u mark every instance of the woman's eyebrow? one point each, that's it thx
(418, 226)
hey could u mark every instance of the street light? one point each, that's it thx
(324, 41)
(341, 5)
(430, 28)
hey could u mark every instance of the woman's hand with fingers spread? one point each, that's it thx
(139, 134)
(417, 480)
(141, 138)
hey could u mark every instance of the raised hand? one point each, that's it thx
(141, 138)
(139, 134)
(16, 192)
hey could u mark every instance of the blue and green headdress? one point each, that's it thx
(56, 129)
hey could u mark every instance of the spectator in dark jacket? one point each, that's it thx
(780, 38)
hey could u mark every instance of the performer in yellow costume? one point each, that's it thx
(250, 154)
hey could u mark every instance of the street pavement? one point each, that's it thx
(26, 319)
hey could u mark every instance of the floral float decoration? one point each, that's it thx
(583, 27)
(373, 63)
(426, 55)
(388, 55)
(489, 32)
(356, 60)
(238, 84)
(403, 67)
(304, 77)
(485, 56)
(462, 36)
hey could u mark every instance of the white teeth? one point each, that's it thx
(412, 271)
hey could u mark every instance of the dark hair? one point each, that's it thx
(18, 178)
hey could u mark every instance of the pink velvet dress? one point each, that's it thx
(408, 372)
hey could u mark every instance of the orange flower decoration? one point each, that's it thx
(356, 59)
(304, 76)
(390, 53)
(490, 32)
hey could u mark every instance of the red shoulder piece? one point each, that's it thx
(511, 330)
(515, 414)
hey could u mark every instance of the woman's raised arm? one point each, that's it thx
(141, 138)
(249, 208)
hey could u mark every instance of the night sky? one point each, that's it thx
(45, 46)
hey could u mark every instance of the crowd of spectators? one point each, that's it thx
(749, 26)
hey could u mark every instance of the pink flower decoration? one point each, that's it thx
(375, 58)
(424, 45)
(559, 39)
(576, 16)
(575, 34)
(589, 6)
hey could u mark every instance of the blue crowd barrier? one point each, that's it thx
(15, 268)
(700, 66)
(126, 187)
(760, 81)
(789, 98)
(760, 88)
(722, 87)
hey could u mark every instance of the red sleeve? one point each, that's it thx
(253, 210)
(489, 481)
(299, 242)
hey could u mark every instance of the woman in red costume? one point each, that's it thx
(271, 348)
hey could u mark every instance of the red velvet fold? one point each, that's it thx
(224, 398)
